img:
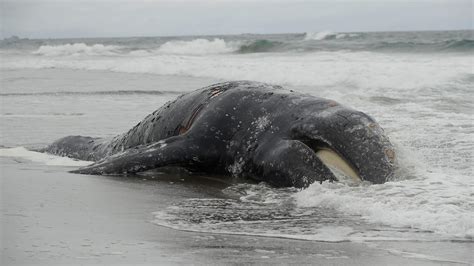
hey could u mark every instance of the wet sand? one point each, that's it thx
(51, 217)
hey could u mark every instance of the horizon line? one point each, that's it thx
(221, 34)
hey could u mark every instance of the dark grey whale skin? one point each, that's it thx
(243, 128)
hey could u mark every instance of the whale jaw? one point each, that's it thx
(341, 169)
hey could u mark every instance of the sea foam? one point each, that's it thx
(197, 47)
(358, 69)
(327, 35)
(414, 204)
(77, 49)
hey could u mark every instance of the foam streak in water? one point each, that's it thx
(425, 204)
(44, 158)
(265, 211)
(361, 69)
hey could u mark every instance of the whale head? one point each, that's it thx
(349, 142)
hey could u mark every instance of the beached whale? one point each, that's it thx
(248, 129)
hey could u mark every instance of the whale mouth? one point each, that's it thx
(341, 169)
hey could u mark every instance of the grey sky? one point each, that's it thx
(107, 18)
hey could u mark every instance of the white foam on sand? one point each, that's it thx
(43, 158)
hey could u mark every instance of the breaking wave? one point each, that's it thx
(194, 47)
(460, 45)
(311, 43)
(328, 35)
(77, 49)
(198, 46)
(413, 204)
(389, 72)
(259, 46)
(330, 212)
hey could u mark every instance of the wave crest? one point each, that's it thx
(405, 204)
(216, 46)
(259, 46)
(459, 45)
(77, 49)
(327, 35)
(197, 46)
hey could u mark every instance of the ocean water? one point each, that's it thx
(418, 85)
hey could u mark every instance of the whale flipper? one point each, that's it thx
(172, 151)
(283, 164)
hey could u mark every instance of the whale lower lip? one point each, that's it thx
(341, 169)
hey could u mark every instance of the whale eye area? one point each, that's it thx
(336, 163)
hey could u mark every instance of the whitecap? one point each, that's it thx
(76, 49)
(197, 47)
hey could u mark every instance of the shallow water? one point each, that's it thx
(421, 97)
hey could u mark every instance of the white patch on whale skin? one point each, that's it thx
(262, 122)
(162, 143)
(341, 169)
(236, 168)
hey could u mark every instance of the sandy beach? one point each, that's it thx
(51, 217)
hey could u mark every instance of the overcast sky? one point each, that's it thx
(107, 18)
